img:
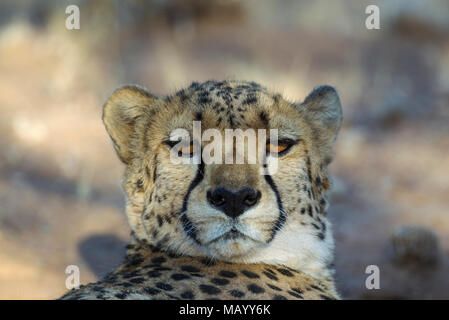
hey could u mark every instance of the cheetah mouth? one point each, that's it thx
(232, 234)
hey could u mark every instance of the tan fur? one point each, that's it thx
(287, 229)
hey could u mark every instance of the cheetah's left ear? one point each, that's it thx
(322, 109)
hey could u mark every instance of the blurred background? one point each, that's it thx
(60, 199)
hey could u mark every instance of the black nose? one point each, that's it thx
(233, 204)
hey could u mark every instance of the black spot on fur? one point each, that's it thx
(220, 281)
(164, 286)
(254, 288)
(294, 294)
(162, 269)
(236, 293)
(250, 274)
(190, 269)
(126, 284)
(160, 222)
(155, 173)
(279, 297)
(209, 289)
(326, 297)
(188, 295)
(316, 288)
(270, 275)
(285, 272)
(264, 118)
(203, 98)
(154, 274)
(198, 116)
(179, 276)
(250, 99)
(207, 262)
(158, 260)
(121, 295)
(227, 274)
(131, 274)
(151, 291)
(134, 260)
(137, 280)
(139, 184)
(197, 275)
(194, 86)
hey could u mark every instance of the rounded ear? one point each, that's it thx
(322, 109)
(121, 111)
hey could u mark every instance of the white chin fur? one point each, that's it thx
(294, 246)
(298, 248)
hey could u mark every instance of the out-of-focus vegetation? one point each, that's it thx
(60, 201)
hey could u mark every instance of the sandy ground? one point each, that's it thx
(60, 200)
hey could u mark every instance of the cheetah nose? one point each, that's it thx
(231, 203)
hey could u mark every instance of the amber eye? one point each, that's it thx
(281, 147)
(276, 148)
(187, 149)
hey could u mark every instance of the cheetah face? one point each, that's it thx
(229, 211)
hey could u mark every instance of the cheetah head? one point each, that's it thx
(236, 212)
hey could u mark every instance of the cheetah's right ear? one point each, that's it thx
(121, 112)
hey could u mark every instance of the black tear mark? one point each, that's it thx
(281, 219)
(187, 225)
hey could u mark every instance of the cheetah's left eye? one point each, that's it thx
(281, 147)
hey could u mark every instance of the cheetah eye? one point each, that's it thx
(281, 147)
(182, 148)
(187, 150)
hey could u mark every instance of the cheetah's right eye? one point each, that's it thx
(181, 148)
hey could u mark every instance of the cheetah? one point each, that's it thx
(223, 231)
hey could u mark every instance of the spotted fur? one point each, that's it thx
(181, 245)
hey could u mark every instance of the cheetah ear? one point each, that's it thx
(121, 112)
(322, 109)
